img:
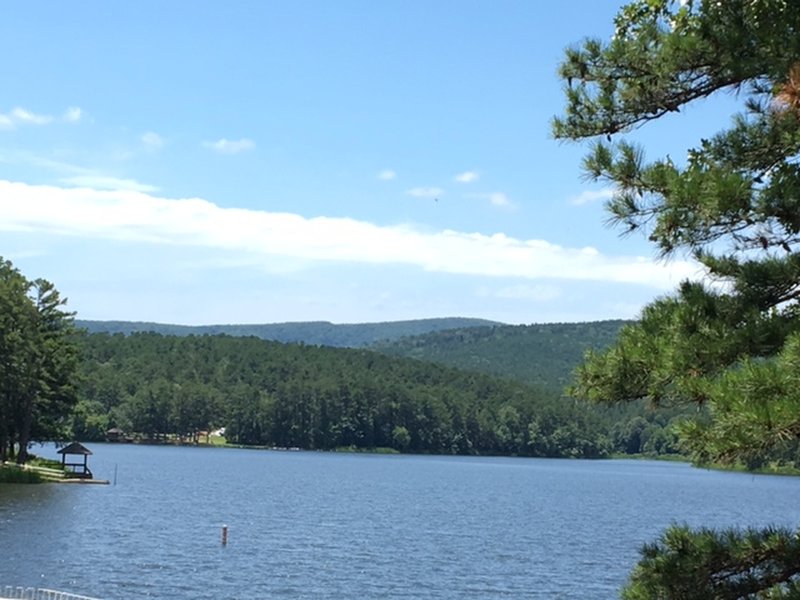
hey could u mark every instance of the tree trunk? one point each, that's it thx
(25, 432)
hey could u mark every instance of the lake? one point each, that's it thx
(327, 525)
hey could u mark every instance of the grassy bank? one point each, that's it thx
(14, 474)
(663, 457)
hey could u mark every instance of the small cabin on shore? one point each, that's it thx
(115, 434)
(76, 468)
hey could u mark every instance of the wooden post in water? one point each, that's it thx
(224, 535)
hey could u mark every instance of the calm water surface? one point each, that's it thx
(317, 525)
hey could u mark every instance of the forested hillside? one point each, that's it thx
(540, 354)
(319, 333)
(544, 354)
(273, 394)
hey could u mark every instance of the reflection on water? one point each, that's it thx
(316, 525)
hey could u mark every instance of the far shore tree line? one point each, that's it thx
(288, 395)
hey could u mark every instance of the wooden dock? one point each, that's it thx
(55, 476)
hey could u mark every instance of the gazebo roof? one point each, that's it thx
(75, 448)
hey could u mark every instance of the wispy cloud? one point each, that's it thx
(77, 175)
(152, 140)
(425, 192)
(224, 146)
(103, 182)
(466, 177)
(498, 199)
(387, 175)
(588, 196)
(146, 218)
(22, 116)
(73, 114)
(23, 157)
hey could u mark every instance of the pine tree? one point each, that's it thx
(728, 344)
(38, 361)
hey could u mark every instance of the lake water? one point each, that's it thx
(323, 525)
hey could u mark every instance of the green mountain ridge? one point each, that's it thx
(543, 355)
(318, 333)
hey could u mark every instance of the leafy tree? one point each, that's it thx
(89, 421)
(631, 436)
(728, 345)
(400, 437)
(38, 360)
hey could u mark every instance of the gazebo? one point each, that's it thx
(76, 469)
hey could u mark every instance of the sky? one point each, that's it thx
(346, 161)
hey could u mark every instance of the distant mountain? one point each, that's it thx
(540, 354)
(543, 355)
(318, 333)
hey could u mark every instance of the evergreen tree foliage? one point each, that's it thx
(291, 395)
(38, 360)
(721, 565)
(727, 345)
(543, 355)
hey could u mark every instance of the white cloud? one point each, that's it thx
(588, 196)
(498, 199)
(73, 114)
(23, 116)
(152, 140)
(103, 182)
(425, 192)
(231, 146)
(387, 175)
(140, 217)
(466, 177)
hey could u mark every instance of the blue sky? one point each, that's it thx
(350, 161)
